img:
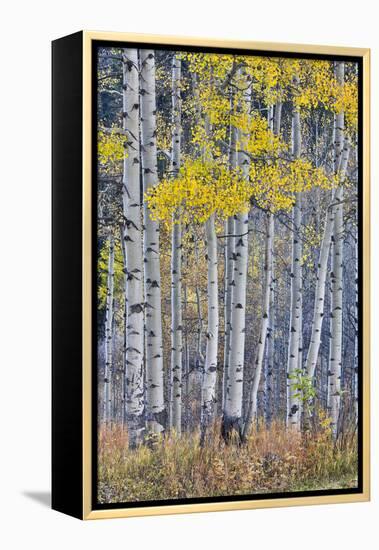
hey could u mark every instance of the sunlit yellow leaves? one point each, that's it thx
(206, 188)
(318, 86)
(273, 185)
(259, 141)
(201, 189)
(110, 147)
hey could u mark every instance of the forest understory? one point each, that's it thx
(273, 460)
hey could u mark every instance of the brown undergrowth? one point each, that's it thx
(273, 460)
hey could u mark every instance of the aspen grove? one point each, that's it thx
(227, 274)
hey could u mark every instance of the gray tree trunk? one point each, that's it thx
(152, 279)
(229, 274)
(293, 374)
(232, 417)
(208, 390)
(335, 347)
(176, 261)
(318, 311)
(107, 416)
(133, 245)
(252, 407)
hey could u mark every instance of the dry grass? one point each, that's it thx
(273, 460)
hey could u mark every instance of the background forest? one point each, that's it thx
(227, 274)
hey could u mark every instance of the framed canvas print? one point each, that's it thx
(210, 275)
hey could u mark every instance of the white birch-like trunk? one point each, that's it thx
(228, 274)
(109, 333)
(133, 247)
(356, 341)
(125, 314)
(335, 346)
(252, 407)
(232, 417)
(335, 349)
(176, 260)
(319, 301)
(293, 402)
(208, 390)
(199, 335)
(228, 293)
(270, 374)
(152, 278)
(272, 381)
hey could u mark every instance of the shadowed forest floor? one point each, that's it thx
(273, 460)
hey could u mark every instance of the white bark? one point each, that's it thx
(109, 333)
(356, 340)
(125, 314)
(152, 278)
(208, 390)
(318, 311)
(233, 403)
(228, 276)
(252, 408)
(319, 300)
(270, 374)
(176, 331)
(232, 417)
(335, 348)
(228, 272)
(293, 402)
(133, 245)
(176, 285)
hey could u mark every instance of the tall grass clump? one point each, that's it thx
(273, 460)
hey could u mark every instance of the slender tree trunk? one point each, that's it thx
(208, 391)
(252, 408)
(107, 416)
(232, 417)
(270, 371)
(152, 279)
(199, 336)
(335, 348)
(318, 311)
(133, 242)
(125, 314)
(356, 340)
(176, 261)
(229, 274)
(186, 356)
(273, 371)
(293, 374)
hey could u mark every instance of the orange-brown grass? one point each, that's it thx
(272, 460)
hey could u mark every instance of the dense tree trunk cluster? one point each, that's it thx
(213, 315)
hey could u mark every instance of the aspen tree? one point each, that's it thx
(176, 263)
(252, 407)
(229, 272)
(335, 348)
(152, 277)
(109, 332)
(232, 417)
(133, 246)
(293, 402)
(208, 390)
